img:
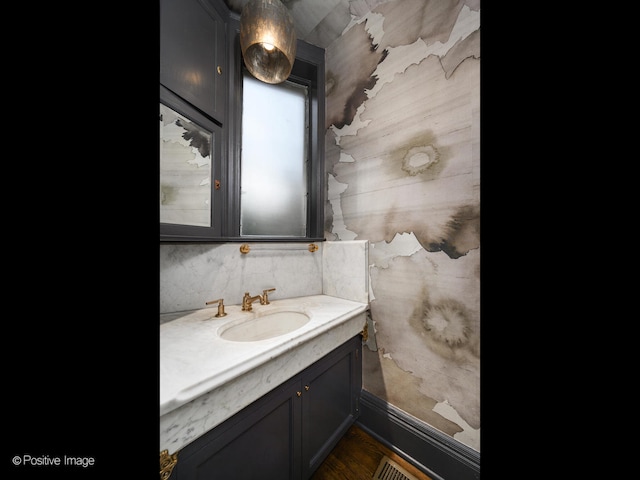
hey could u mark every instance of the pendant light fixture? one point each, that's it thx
(267, 40)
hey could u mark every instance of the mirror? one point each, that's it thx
(185, 170)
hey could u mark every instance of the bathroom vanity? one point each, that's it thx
(271, 407)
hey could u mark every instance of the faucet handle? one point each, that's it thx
(220, 302)
(265, 296)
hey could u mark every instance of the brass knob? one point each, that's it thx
(219, 70)
(306, 387)
(299, 394)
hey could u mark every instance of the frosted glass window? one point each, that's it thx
(273, 199)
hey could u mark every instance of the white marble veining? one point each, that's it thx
(193, 274)
(345, 270)
(204, 379)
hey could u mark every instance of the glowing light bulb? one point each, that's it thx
(267, 46)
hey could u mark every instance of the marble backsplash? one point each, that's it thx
(345, 268)
(193, 274)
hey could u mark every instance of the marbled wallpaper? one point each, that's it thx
(403, 172)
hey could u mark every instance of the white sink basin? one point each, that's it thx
(264, 326)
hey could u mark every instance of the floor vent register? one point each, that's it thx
(390, 470)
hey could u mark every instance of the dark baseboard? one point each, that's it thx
(436, 454)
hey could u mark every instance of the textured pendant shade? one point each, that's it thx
(267, 40)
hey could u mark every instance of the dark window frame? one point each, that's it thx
(308, 69)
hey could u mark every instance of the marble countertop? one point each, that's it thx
(195, 360)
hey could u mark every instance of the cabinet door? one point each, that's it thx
(261, 443)
(286, 434)
(193, 53)
(330, 395)
(190, 170)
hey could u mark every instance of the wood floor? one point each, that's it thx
(357, 456)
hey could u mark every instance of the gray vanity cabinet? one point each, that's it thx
(193, 52)
(258, 442)
(287, 433)
(330, 402)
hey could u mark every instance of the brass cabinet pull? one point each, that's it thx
(299, 394)
(306, 387)
(219, 70)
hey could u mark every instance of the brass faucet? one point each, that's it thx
(265, 296)
(247, 300)
(220, 302)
